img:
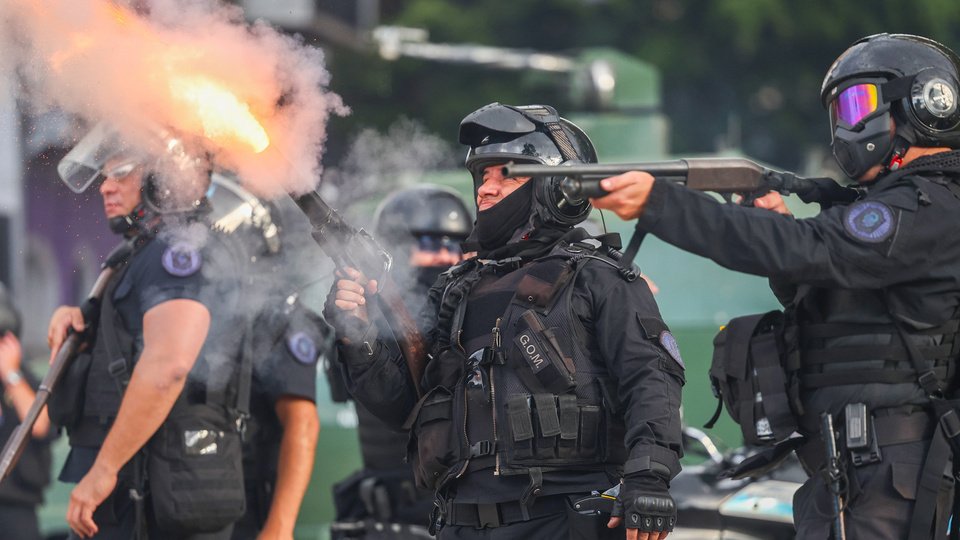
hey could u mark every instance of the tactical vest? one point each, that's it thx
(194, 460)
(775, 373)
(891, 362)
(112, 360)
(554, 408)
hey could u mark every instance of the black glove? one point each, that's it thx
(645, 503)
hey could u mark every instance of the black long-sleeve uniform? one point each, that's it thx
(857, 275)
(624, 343)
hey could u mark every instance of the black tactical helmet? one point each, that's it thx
(911, 79)
(234, 210)
(421, 210)
(500, 133)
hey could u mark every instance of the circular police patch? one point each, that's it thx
(181, 260)
(669, 343)
(869, 221)
(302, 348)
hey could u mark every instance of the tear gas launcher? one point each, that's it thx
(355, 248)
(726, 176)
(68, 350)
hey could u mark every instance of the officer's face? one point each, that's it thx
(495, 187)
(120, 189)
(441, 257)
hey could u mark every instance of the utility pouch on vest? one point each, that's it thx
(195, 470)
(65, 405)
(548, 425)
(433, 442)
(748, 375)
(521, 425)
(540, 357)
(194, 462)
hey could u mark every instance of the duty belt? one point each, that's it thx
(889, 430)
(490, 515)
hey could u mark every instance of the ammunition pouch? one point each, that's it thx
(195, 470)
(433, 446)
(546, 429)
(749, 375)
(65, 405)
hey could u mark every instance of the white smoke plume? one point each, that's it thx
(379, 162)
(256, 97)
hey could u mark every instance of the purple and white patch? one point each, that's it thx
(669, 344)
(302, 348)
(869, 221)
(181, 260)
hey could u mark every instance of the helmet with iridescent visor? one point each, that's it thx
(889, 92)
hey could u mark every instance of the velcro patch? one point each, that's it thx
(869, 221)
(531, 349)
(181, 260)
(302, 347)
(669, 344)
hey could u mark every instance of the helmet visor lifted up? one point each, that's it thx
(99, 148)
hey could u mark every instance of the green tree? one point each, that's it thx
(757, 64)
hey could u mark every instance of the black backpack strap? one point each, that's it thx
(926, 375)
(629, 271)
(120, 367)
(945, 443)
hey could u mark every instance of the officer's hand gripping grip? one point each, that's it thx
(68, 350)
(354, 248)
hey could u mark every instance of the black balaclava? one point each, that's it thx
(497, 225)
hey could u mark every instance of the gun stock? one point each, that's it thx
(354, 248)
(18, 440)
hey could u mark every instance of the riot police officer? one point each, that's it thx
(871, 288)
(282, 343)
(142, 402)
(422, 227)
(22, 491)
(551, 373)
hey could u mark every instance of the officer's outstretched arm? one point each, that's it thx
(173, 334)
(297, 448)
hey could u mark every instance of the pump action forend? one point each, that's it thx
(355, 248)
(720, 175)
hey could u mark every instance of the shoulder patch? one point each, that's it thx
(669, 343)
(302, 347)
(869, 221)
(181, 260)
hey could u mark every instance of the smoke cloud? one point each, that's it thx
(380, 162)
(255, 98)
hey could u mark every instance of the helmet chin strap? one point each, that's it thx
(900, 147)
(138, 222)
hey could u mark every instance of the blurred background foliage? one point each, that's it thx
(735, 73)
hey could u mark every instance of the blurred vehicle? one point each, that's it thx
(712, 507)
